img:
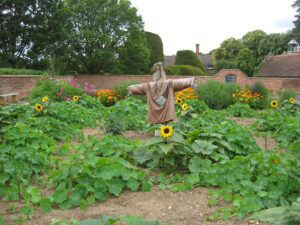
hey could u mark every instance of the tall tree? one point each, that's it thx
(99, 31)
(228, 50)
(296, 30)
(275, 43)
(246, 61)
(252, 40)
(22, 25)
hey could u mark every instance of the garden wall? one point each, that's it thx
(23, 83)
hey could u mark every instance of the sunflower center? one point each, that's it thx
(274, 103)
(166, 130)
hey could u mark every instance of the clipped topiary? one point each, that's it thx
(184, 70)
(188, 57)
(155, 45)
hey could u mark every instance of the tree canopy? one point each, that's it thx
(25, 26)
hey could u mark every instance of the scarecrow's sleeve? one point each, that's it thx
(138, 89)
(180, 84)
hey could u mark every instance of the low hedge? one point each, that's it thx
(184, 70)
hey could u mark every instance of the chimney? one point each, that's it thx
(197, 49)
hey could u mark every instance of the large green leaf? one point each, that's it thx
(198, 165)
(166, 147)
(153, 140)
(115, 186)
(204, 147)
(176, 137)
(46, 205)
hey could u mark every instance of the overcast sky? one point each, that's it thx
(183, 23)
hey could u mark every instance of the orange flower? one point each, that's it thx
(275, 161)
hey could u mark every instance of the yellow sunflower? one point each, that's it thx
(45, 99)
(166, 131)
(274, 103)
(184, 106)
(292, 100)
(178, 101)
(38, 107)
(75, 98)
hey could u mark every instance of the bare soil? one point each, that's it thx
(181, 208)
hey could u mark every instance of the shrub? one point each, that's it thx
(184, 70)
(56, 91)
(259, 87)
(121, 89)
(11, 71)
(188, 57)
(216, 94)
(287, 94)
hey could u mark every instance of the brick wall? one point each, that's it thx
(23, 83)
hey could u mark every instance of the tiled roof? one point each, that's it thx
(169, 59)
(206, 60)
(286, 65)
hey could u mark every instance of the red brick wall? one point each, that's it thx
(22, 83)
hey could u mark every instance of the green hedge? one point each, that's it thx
(184, 70)
(188, 57)
(11, 71)
(155, 45)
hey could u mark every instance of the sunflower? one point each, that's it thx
(292, 100)
(38, 107)
(166, 131)
(45, 99)
(184, 106)
(75, 98)
(178, 101)
(274, 103)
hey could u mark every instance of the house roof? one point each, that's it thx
(169, 59)
(206, 60)
(285, 65)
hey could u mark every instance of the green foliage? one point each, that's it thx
(121, 88)
(246, 61)
(287, 94)
(108, 220)
(228, 50)
(284, 122)
(11, 71)
(155, 45)
(52, 127)
(94, 177)
(33, 31)
(216, 94)
(225, 64)
(73, 113)
(158, 152)
(283, 215)
(113, 125)
(23, 153)
(114, 28)
(259, 87)
(51, 89)
(252, 40)
(188, 57)
(184, 70)
(131, 111)
(241, 110)
(134, 56)
(253, 182)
